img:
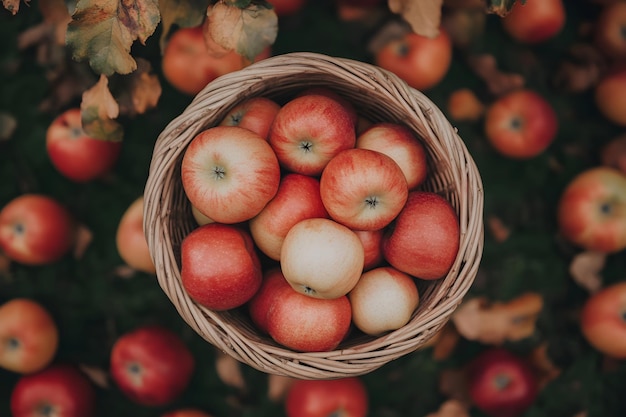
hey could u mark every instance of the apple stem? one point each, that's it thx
(516, 123)
(371, 202)
(502, 381)
(12, 344)
(337, 413)
(306, 145)
(308, 290)
(18, 228)
(219, 172)
(46, 410)
(606, 208)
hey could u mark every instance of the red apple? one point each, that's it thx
(57, 390)
(229, 173)
(346, 397)
(298, 198)
(423, 241)
(308, 324)
(608, 33)
(521, 124)
(284, 8)
(255, 114)
(259, 304)
(334, 95)
(610, 95)
(613, 153)
(29, 336)
(151, 365)
(309, 130)
(501, 384)
(602, 320)
(363, 189)
(76, 155)
(322, 258)
(591, 212)
(220, 268)
(130, 239)
(400, 144)
(372, 247)
(420, 61)
(186, 412)
(36, 229)
(533, 22)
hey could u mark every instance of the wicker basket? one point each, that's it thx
(379, 96)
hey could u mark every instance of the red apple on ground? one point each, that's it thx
(130, 239)
(501, 384)
(76, 155)
(284, 8)
(220, 268)
(36, 229)
(372, 247)
(424, 239)
(151, 365)
(259, 304)
(309, 130)
(608, 34)
(29, 336)
(534, 22)
(255, 114)
(363, 189)
(229, 173)
(347, 397)
(521, 124)
(420, 61)
(57, 390)
(591, 212)
(613, 153)
(383, 299)
(186, 412)
(308, 324)
(298, 198)
(400, 144)
(602, 321)
(610, 95)
(322, 258)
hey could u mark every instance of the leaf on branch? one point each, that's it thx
(138, 92)
(183, 13)
(98, 111)
(502, 7)
(103, 31)
(246, 31)
(8, 124)
(451, 408)
(13, 5)
(424, 16)
(585, 269)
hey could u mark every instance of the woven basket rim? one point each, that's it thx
(368, 82)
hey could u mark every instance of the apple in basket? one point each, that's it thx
(229, 173)
(256, 114)
(372, 247)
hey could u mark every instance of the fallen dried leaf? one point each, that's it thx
(498, 82)
(229, 371)
(451, 408)
(277, 387)
(8, 124)
(453, 384)
(464, 25)
(581, 68)
(498, 229)
(585, 269)
(97, 375)
(543, 365)
(83, 239)
(423, 16)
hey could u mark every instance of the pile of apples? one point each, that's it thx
(312, 219)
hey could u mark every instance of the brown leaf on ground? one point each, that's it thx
(586, 267)
(451, 408)
(8, 124)
(464, 26)
(581, 69)
(498, 229)
(498, 82)
(424, 16)
(98, 376)
(229, 371)
(84, 237)
(453, 384)
(447, 340)
(544, 367)
(277, 387)
(494, 323)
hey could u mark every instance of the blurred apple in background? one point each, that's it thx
(130, 239)
(255, 114)
(346, 397)
(284, 8)
(57, 390)
(76, 155)
(186, 412)
(298, 198)
(363, 189)
(602, 320)
(322, 258)
(384, 299)
(613, 153)
(36, 229)
(521, 124)
(608, 31)
(151, 365)
(533, 22)
(229, 173)
(220, 268)
(610, 95)
(29, 336)
(591, 211)
(423, 240)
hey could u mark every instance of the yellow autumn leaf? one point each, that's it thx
(98, 110)
(424, 16)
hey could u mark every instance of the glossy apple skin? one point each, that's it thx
(346, 397)
(36, 229)
(76, 155)
(309, 131)
(372, 246)
(420, 61)
(535, 21)
(298, 198)
(610, 95)
(60, 388)
(521, 124)
(151, 365)
(229, 173)
(256, 114)
(602, 320)
(322, 258)
(259, 304)
(500, 383)
(383, 299)
(29, 336)
(130, 239)
(423, 240)
(363, 189)
(591, 211)
(220, 268)
(308, 324)
(400, 144)
(186, 412)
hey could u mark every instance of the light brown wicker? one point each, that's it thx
(379, 96)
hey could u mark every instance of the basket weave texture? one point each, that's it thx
(378, 95)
